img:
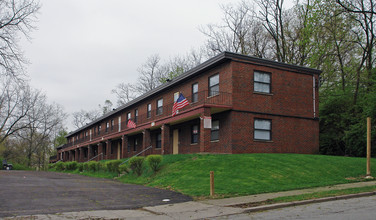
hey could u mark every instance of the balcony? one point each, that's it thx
(218, 102)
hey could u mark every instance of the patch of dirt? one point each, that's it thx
(253, 204)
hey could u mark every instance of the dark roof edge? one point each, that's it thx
(205, 65)
(214, 61)
(268, 62)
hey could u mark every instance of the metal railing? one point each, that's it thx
(95, 157)
(136, 154)
(218, 99)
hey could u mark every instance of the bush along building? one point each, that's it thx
(229, 104)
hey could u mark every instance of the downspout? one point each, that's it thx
(314, 96)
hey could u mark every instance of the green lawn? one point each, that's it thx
(245, 174)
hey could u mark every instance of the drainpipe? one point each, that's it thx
(314, 96)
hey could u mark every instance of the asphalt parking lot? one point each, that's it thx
(31, 192)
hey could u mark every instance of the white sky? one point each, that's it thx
(83, 48)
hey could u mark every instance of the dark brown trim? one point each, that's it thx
(276, 115)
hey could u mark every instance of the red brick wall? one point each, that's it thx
(291, 93)
(291, 96)
(289, 135)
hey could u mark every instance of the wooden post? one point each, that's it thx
(211, 183)
(368, 175)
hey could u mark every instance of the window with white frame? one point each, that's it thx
(214, 85)
(261, 82)
(119, 123)
(148, 114)
(160, 106)
(214, 135)
(176, 96)
(194, 92)
(159, 140)
(194, 134)
(263, 129)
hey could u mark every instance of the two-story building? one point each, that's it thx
(237, 104)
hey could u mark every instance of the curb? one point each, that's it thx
(304, 202)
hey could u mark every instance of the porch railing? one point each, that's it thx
(202, 98)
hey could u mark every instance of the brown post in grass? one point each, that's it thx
(211, 183)
(368, 175)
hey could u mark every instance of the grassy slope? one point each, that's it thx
(244, 174)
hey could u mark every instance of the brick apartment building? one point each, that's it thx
(237, 104)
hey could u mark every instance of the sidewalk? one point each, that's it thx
(206, 208)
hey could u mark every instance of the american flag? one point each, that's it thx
(180, 103)
(131, 124)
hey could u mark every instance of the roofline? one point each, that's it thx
(212, 62)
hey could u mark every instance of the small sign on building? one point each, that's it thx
(207, 122)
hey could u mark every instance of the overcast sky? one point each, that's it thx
(83, 48)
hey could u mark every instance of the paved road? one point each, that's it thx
(29, 192)
(362, 208)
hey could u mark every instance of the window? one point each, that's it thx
(214, 85)
(107, 126)
(135, 115)
(214, 131)
(176, 96)
(129, 116)
(195, 92)
(263, 128)
(159, 140)
(112, 124)
(194, 134)
(261, 82)
(135, 144)
(119, 123)
(159, 106)
(99, 129)
(148, 111)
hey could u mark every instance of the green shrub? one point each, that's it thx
(154, 162)
(86, 166)
(136, 164)
(101, 166)
(113, 165)
(80, 167)
(60, 166)
(71, 165)
(51, 166)
(93, 166)
(123, 168)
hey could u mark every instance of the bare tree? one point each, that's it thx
(43, 122)
(150, 74)
(366, 7)
(240, 32)
(106, 107)
(15, 17)
(124, 92)
(232, 34)
(272, 18)
(364, 13)
(16, 101)
(81, 118)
